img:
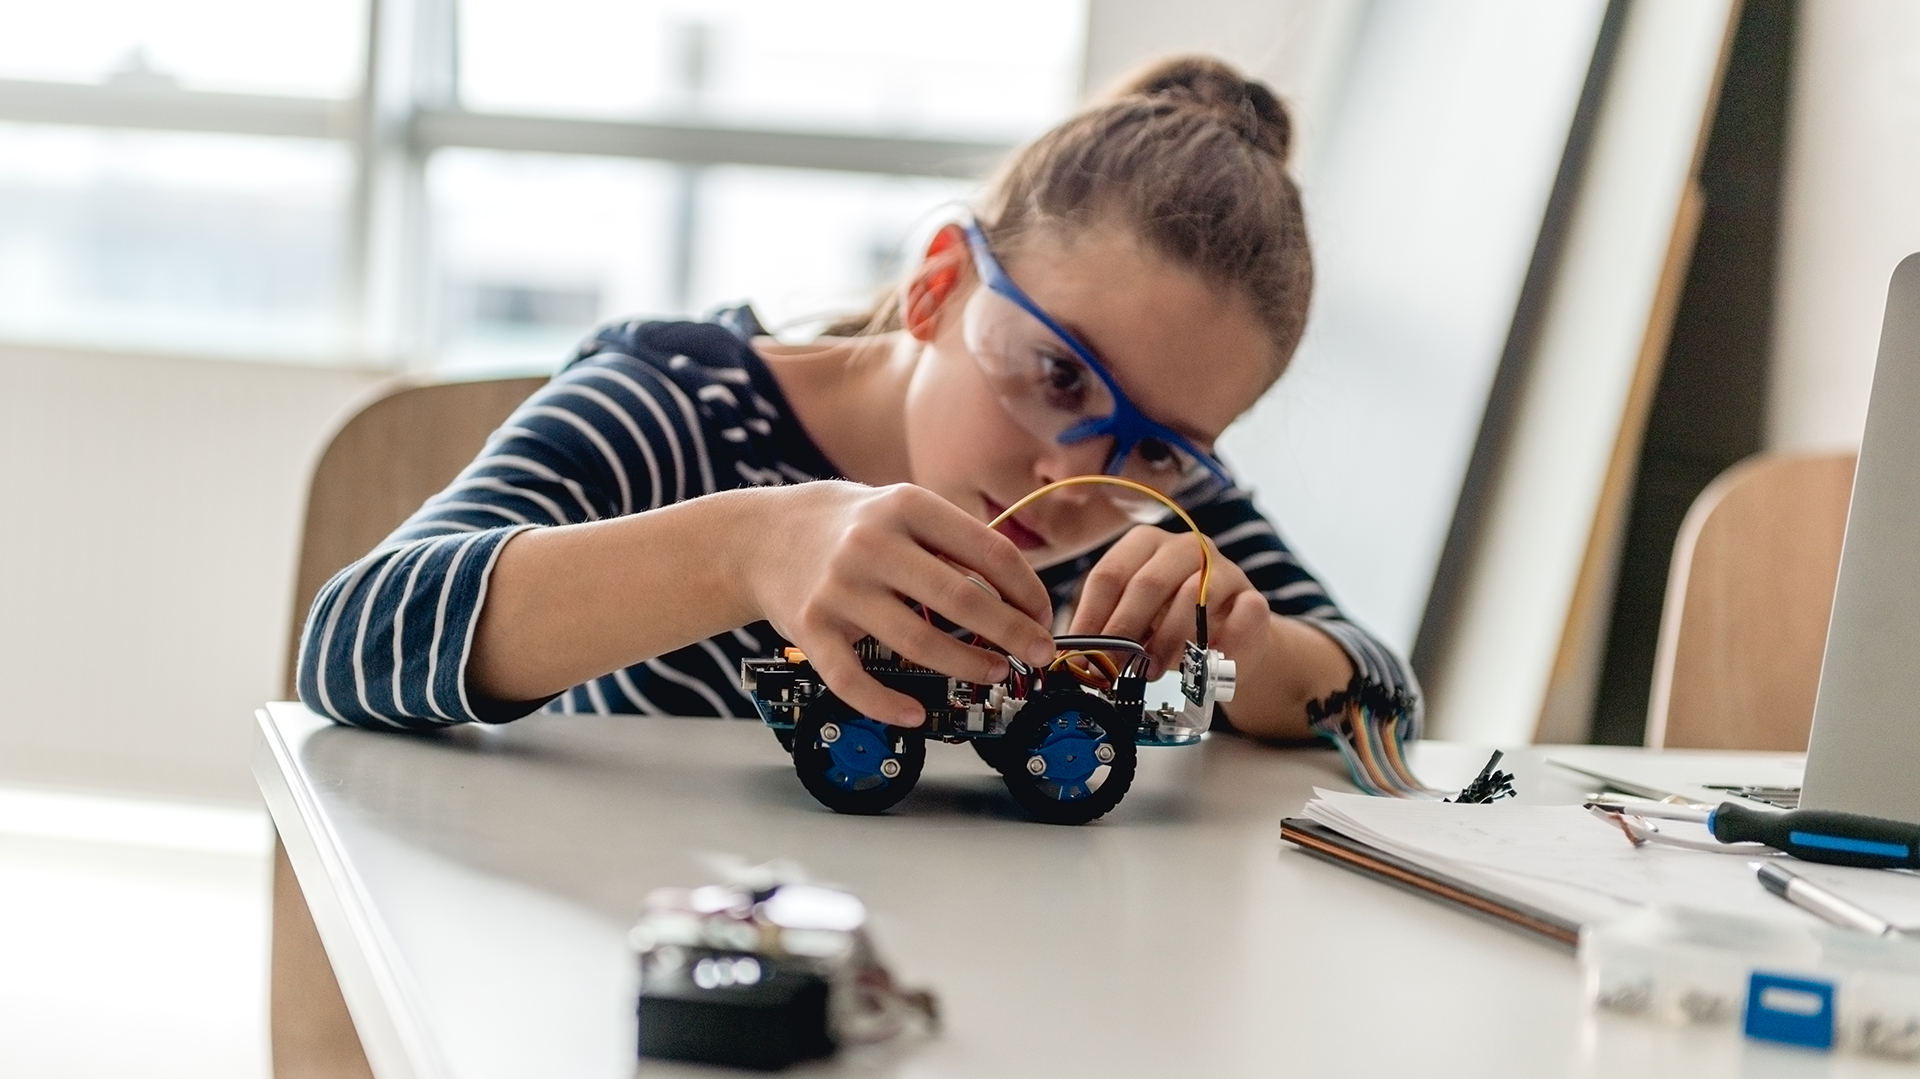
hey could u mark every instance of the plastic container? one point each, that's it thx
(1810, 986)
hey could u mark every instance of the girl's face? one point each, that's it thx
(1189, 355)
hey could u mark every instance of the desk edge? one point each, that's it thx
(356, 943)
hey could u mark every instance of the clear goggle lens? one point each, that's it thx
(1053, 395)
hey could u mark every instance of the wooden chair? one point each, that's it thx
(386, 460)
(1748, 599)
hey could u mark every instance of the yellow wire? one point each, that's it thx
(1206, 553)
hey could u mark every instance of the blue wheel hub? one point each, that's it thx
(860, 752)
(1071, 750)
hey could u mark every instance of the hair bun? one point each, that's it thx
(1244, 104)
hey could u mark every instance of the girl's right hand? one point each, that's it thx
(844, 560)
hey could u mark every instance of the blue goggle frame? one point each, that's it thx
(1127, 425)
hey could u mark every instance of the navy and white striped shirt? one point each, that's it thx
(645, 415)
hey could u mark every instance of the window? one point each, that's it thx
(1000, 69)
(228, 244)
(531, 250)
(535, 249)
(222, 177)
(804, 245)
(308, 48)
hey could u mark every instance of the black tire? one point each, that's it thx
(1066, 731)
(785, 737)
(845, 774)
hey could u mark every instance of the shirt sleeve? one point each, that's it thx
(388, 639)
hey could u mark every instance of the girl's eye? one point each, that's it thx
(1065, 381)
(1159, 456)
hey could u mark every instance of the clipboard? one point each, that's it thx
(1328, 845)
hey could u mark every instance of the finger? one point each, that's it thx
(843, 673)
(937, 584)
(1167, 641)
(945, 528)
(906, 633)
(1105, 583)
(1151, 588)
(1241, 623)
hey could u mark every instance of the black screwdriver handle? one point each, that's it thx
(1821, 835)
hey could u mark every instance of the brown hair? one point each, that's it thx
(1189, 154)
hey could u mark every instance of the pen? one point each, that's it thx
(1817, 901)
(1811, 835)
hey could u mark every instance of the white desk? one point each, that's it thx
(473, 890)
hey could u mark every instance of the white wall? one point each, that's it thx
(1850, 212)
(152, 508)
(1299, 47)
(1434, 170)
(1499, 677)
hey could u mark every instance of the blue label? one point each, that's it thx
(1851, 846)
(1795, 1011)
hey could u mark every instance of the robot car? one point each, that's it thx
(1063, 737)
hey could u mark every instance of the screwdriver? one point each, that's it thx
(1811, 835)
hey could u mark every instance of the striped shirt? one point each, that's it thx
(646, 414)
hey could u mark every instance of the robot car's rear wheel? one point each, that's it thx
(853, 764)
(1067, 758)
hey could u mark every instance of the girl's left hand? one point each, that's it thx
(1145, 589)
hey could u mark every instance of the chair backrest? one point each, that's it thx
(1748, 600)
(386, 460)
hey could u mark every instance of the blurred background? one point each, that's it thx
(224, 223)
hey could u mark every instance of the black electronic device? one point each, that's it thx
(763, 976)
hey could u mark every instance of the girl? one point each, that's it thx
(683, 495)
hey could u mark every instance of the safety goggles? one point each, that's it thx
(1054, 387)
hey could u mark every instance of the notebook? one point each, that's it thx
(1551, 869)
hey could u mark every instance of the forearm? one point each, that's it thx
(568, 604)
(1296, 665)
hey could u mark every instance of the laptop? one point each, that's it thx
(1864, 755)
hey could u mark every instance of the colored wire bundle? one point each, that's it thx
(1367, 724)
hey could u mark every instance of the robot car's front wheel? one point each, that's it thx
(1068, 758)
(853, 764)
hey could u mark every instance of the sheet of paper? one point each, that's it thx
(1568, 846)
